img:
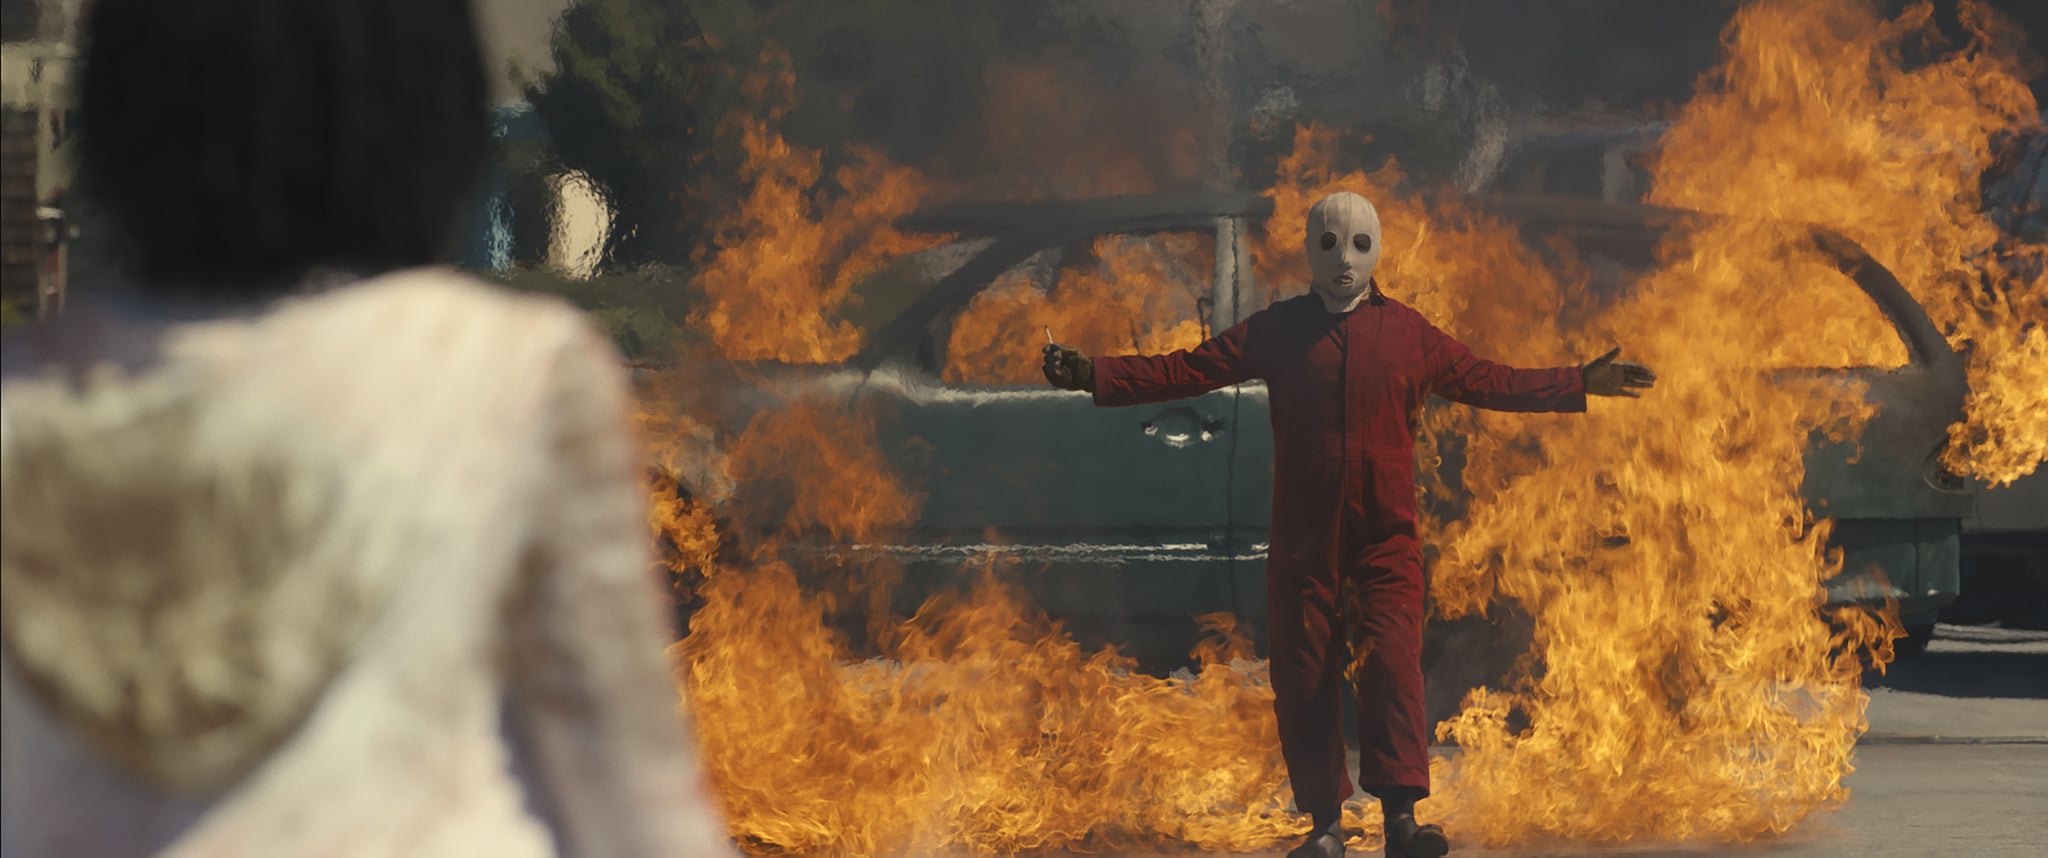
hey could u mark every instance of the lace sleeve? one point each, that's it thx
(594, 699)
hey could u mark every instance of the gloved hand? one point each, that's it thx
(1068, 369)
(1607, 377)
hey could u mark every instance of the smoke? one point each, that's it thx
(1153, 95)
(1630, 55)
(1102, 98)
(1130, 98)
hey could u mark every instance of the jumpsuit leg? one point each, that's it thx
(1307, 646)
(1307, 670)
(1385, 607)
(1382, 589)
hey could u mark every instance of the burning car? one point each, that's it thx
(1128, 524)
(2003, 574)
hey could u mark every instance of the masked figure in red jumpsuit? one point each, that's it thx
(1346, 368)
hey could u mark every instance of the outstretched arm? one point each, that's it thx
(594, 702)
(1455, 373)
(1220, 361)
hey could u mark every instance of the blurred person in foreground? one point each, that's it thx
(311, 547)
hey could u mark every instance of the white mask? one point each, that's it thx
(1343, 244)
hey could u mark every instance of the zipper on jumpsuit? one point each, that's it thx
(1348, 485)
(1353, 421)
(1347, 467)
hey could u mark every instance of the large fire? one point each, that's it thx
(778, 275)
(1139, 296)
(1688, 690)
(982, 727)
(1821, 118)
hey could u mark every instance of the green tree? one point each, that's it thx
(627, 102)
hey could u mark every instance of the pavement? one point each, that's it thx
(1973, 684)
(1955, 764)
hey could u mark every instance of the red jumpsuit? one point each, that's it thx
(1344, 390)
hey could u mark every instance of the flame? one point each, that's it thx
(1669, 655)
(1462, 271)
(1142, 296)
(2001, 439)
(1818, 116)
(1689, 688)
(1672, 569)
(1663, 548)
(984, 729)
(980, 725)
(779, 271)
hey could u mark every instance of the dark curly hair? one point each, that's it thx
(238, 145)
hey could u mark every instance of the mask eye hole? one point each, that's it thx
(1363, 242)
(1329, 240)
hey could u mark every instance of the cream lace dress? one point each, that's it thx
(365, 574)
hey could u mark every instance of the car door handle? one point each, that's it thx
(1182, 426)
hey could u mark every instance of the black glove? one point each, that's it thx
(1068, 369)
(1606, 376)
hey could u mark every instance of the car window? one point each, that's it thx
(1117, 294)
(888, 292)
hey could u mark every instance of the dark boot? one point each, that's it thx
(1320, 844)
(1405, 839)
(1325, 836)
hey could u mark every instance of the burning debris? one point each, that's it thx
(1688, 688)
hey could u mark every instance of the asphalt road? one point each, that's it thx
(1955, 764)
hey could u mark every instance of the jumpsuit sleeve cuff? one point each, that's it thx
(1112, 381)
(1573, 400)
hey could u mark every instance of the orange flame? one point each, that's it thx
(779, 272)
(1463, 272)
(1820, 118)
(1689, 688)
(1142, 297)
(1598, 526)
(2001, 439)
(981, 726)
(1672, 569)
